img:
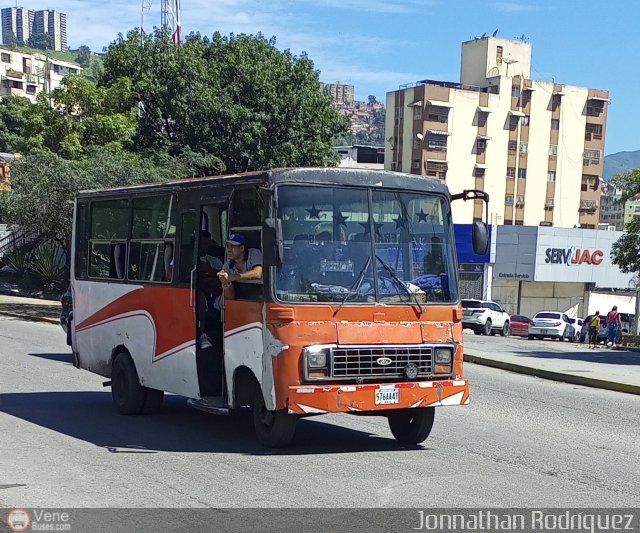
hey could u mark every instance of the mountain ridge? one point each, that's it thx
(620, 162)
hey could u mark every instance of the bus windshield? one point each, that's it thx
(361, 246)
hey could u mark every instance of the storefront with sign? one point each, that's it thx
(473, 270)
(553, 269)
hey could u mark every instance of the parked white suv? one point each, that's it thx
(485, 318)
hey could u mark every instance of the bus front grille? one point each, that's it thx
(379, 361)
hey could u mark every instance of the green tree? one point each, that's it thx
(626, 250)
(41, 41)
(371, 99)
(83, 56)
(43, 184)
(14, 121)
(78, 115)
(237, 102)
(11, 40)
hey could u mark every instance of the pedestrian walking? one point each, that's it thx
(614, 323)
(594, 326)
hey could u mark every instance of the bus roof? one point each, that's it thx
(307, 175)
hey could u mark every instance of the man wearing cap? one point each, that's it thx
(243, 264)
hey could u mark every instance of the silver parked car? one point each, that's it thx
(552, 324)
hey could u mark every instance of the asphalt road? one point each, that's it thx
(522, 442)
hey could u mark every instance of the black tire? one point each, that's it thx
(478, 331)
(487, 327)
(411, 426)
(152, 401)
(531, 337)
(274, 429)
(506, 329)
(127, 393)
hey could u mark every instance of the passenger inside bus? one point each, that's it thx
(118, 253)
(210, 263)
(243, 264)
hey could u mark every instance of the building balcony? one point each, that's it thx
(588, 206)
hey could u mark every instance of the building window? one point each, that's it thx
(508, 200)
(515, 91)
(513, 146)
(511, 172)
(437, 143)
(551, 175)
(499, 51)
(436, 169)
(415, 164)
(593, 132)
(26, 65)
(513, 122)
(524, 121)
(6, 58)
(549, 203)
(519, 201)
(595, 108)
(438, 114)
(524, 148)
(478, 172)
(31, 89)
(417, 112)
(553, 149)
(482, 118)
(522, 173)
(555, 124)
(481, 145)
(508, 222)
(519, 222)
(591, 154)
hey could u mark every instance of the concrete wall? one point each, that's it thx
(571, 298)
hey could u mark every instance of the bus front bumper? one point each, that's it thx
(318, 399)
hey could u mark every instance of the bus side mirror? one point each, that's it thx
(272, 243)
(480, 238)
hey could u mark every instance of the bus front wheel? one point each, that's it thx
(411, 426)
(273, 428)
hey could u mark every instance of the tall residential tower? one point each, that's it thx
(23, 23)
(536, 147)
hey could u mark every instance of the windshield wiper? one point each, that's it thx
(401, 283)
(356, 285)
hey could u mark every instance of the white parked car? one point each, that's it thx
(552, 324)
(485, 318)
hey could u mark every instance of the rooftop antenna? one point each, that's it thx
(494, 33)
(509, 61)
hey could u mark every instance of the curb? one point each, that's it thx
(554, 376)
(31, 318)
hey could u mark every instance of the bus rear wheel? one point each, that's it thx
(127, 393)
(274, 429)
(411, 426)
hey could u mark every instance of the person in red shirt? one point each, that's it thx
(614, 324)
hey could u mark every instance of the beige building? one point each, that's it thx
(25, 74)
(536, 147)
(17, 22)
(55, 24)
(340, 93)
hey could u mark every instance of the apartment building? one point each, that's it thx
(612, 210)
(340, 93)
(22, 23)
(55, 24)
(536, 147)
(17, 22)
(26, 74)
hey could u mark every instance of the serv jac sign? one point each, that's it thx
(573, 256)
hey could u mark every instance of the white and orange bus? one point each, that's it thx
(357, 310)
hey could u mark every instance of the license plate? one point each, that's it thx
(466, 312)
(545, 332)
(387, 396)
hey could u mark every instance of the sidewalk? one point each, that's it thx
(602, 368)
(33, 309)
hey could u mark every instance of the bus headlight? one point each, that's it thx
(316, 356)
(442, 356)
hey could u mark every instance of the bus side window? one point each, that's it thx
(187, 247)
(109, 221)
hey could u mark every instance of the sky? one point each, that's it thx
(377, 45)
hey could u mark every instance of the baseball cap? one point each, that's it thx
(236, 239)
